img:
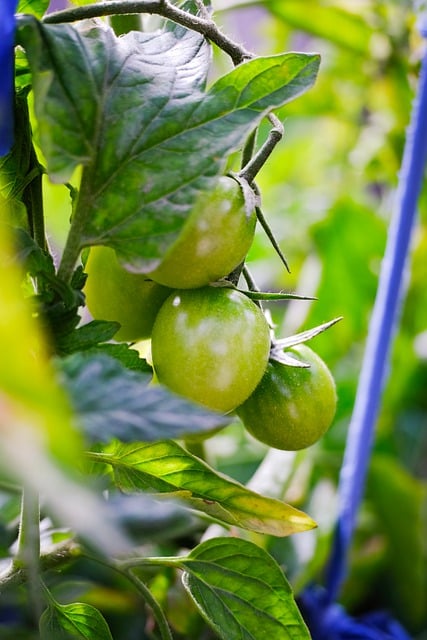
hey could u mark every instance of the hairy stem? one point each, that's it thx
(155, 607)
(256, 162)
(28, 554)
(17, 574)
(163, 8)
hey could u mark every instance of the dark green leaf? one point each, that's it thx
(165, 467)
(33, 259)
(89, 335)
(114, 402)
(74, 621)
(125, 354)
(143, 179)
(242, 592)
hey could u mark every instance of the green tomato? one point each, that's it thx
(112, 293)
(210, 345)
(214, 241)
(292, 407)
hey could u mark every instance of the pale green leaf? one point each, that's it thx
(34, 7)
(166, 467)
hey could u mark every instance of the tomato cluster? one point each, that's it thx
(210, 342)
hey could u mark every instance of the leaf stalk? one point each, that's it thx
(163, 8)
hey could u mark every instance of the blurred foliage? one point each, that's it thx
(328, 193)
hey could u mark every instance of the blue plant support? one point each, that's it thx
(326, 619)
(7, 45)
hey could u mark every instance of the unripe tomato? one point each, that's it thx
(292, 407)
(214, 241)
(210, 345)
(112, 293)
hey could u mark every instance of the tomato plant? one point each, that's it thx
(112, 293)
(215, 238)
(211, 345)
(292, 407)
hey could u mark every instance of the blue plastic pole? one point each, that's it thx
(381, 331)
(7, 45)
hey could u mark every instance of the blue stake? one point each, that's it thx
(7, 45)
(381, 331)
(326, 619)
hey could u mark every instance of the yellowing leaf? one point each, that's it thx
(165, 467)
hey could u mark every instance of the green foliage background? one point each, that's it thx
(328, 193)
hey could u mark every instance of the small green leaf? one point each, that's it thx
(242, 592)
(89, 335)
(125, 354)
(112, 401)
(299, 338)
(261, 295)
(74, 621)
(165, 467)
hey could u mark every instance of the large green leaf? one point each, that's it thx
(112, 401)
(134, 112)
(242, 592)
(165, 467)
(75, 621)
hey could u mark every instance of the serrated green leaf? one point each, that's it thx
(242, 592)
(144, 178)
(34, 7)
(112, 401)
(32, 258)
(88, 336)
(125, 354)
(75, 621)
(165, 467)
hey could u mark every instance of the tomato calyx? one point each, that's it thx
(279, 353)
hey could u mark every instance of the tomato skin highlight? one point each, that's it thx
(292, 407)
(210, 345)
(115, 294)
(214, 241)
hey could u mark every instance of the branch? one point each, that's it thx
(163, 8)
(250, 170)
(54, 559)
